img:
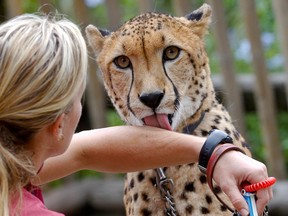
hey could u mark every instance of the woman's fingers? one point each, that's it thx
(230, 179)
(263, 197)
(235, 197)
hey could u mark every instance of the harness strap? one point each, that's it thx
(191, 127)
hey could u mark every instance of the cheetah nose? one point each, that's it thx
(151, 100)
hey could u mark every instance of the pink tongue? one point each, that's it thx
(158, 120)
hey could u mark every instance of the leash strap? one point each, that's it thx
(189, 129)
(222, 149)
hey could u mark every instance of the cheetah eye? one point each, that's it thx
(122, 62)
(171, 53)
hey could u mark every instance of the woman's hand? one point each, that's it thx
(229, 179)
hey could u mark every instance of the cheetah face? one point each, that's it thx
(154, 67)
(148, 84)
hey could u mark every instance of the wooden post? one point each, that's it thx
(264, 96)
(114, 13)
(182, 7)
(14, 8)
(233, 97)
(96, 97)
(280, 8)
(145, 6)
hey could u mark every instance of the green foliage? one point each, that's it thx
(210, 46)
(283, 126)
(113, 119)
(254, 136)
(87, 173)
(30, 6)
(98, 16)
(129, 9)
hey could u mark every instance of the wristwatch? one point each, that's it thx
(215, 137)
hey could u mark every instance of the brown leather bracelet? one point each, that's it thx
(222, 149)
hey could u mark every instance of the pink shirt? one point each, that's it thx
(33, 205)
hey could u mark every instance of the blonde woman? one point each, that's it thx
(43, 64)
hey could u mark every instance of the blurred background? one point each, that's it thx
(248, 50)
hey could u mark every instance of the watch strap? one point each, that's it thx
(214, 138)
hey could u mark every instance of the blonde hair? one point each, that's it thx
(43, 63)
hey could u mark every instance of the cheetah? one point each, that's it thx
(156, 72)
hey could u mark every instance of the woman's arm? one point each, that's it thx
(122, 149)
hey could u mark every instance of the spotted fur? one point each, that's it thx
(141, 79)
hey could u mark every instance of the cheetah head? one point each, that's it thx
(155, 68)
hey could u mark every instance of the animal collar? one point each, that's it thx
(191, 127)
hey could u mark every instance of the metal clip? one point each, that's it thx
(166, 187)
(250, 199)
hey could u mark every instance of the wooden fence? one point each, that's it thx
(264, 97)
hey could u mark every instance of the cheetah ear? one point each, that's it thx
(200, 19)
(96, 38)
